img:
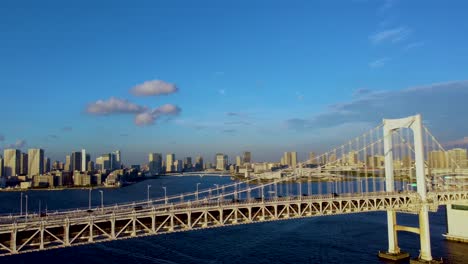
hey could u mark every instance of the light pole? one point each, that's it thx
(89, 199)
(165, 194)
(217, 189)
(148, 192)
(197, 191)
(21, 204)
(26, 205)
(102, 199)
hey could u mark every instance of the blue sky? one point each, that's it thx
(200, 77)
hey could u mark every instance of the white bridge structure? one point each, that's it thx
(392, 170)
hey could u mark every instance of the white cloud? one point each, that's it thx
(154, 87)
(113, 106)
(150, 117)
(378, 63)
(390, 35)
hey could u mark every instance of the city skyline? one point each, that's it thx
(272, 81)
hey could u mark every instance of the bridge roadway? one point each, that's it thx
(19, 234)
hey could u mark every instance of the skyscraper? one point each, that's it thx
(221, 161)
(118, 159)
(247, 157)
(46, 165)
(457, 157)
(76, 163)
(238, 161)
(188, 163)
(24, 164)
(84, 162)
(1, 167)
(170, 158)
(67, 163)
(11, 162)
(287, 158)
(199, 163)
(155, 163)
(293, 159)
(312, 158)
(35, 162)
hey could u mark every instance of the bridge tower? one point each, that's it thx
(389, 126)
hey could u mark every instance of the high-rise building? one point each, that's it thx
(155, 163)
(1, 167)
(293, 159)
(35, 162)
(104, 162)
(352, 158)
(457, 157)
(67, 163)
(90, 166)
(188, 163)
(438, 159)
(84, 162)
(118, 159)
(170, 158)
(11, 162)
(221, 161)
(178, 166)
(76, 161)
(312, 158)
(24, 164)
(46, 165)
(199, 163)
(238, 161)
(287, 158)
(247, 157)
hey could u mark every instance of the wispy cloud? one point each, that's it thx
(154, 87)
(387, 4)
(414, 45)
(113, 106)
(378, 63)
(299, 96)
(228, 131)
(2, 138)
(245, 123)
(20, 143)
(52, 136)
(390, 35)
(361, 91)
(436, 102)
(67, 128)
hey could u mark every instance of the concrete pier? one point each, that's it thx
(394, 256)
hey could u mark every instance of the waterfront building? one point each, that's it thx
(43, 181)
(170, 158)
(188, 163)
(221, 161)
(457, 158)
(11, 162)
(238, 161)
(247, 157)
(312, 158)
(76, 161)
(199, 163)
(438, 159)
(155, 163)
(23, 164)
(178, 166)
(46, 165)
(293, 159)
(1, 166)
(67, 163)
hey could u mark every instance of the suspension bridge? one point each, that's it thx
(397, 167)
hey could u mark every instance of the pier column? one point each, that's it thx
(14, 233)
(112, 226)
(390, 187)
(66, 232)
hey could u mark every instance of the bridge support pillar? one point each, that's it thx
(112, 222)
(13, 239)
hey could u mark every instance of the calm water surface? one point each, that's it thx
(330, 239)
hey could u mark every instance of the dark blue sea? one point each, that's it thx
(330, 239)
